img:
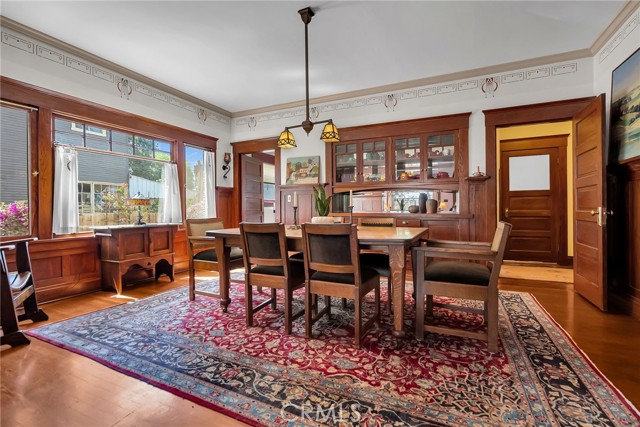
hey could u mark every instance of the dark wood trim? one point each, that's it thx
(250, 147)
(512, 116)
(406, 127)
(57, 260)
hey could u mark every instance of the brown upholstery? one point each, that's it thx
(211, 255)
(17, 289)
(202, 253)
(332, 268)
(458, 272)
(267, 264)
(455, 279)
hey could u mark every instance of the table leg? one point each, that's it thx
(223, 253)
(397, 256)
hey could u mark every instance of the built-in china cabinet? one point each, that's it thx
(392, 168)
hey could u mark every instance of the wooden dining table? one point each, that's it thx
(397, 241)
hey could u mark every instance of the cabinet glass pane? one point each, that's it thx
(346, 160)
(441, 156)
(373, 161)
(407, 159)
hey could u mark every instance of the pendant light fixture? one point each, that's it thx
(330, 131)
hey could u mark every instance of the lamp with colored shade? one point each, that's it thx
(286, 140)
(330, 132)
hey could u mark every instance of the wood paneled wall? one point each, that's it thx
(69, 265)
(624, 237)
(306, 204)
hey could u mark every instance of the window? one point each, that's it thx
(194, 182)
(15, 165)
(113, 168)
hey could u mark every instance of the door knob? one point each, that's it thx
(506, 213)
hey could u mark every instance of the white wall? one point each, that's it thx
(573, 79)
(31, 61)
(615, 51)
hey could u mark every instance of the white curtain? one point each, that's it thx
(66, 219)
(170, 210)
(209, 184)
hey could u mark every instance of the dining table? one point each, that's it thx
(396, 241)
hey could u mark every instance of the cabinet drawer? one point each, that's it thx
(407, 222)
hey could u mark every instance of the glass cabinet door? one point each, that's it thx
(441, 156)
(373, 162)
(407, 162)
(346, 160)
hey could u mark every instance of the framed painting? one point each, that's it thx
(625, 109)
(303, 170)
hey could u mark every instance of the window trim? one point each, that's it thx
(33, 166)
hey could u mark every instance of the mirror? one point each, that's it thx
(396, 201)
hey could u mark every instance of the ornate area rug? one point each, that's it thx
(263, 377)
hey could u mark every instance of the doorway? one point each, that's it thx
(256, 181)
(533, 198)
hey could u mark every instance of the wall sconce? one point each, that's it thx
(226, 159)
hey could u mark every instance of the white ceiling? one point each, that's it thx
(242, 55)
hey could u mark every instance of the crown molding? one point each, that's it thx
(493, 69)
(52, 41)
(625, 13)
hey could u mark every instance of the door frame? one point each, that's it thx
(250, 147)
(512, 116)
(559, 197)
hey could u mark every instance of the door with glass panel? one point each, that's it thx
(533, 199)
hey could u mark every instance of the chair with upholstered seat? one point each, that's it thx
(459, 279)
(202, 252)
(332, 269)
(267, 264)
(17, 289)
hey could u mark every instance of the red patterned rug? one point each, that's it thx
(263, 377)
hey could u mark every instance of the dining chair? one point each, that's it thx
(202, 252)
(17, 288)
(267, 264)
(476, 280)
(332, 268)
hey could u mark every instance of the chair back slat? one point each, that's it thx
(500, 243)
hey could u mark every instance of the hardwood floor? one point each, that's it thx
(45, 385)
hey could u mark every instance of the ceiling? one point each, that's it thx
(241, 55)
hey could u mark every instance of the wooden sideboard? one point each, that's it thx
(147, 248)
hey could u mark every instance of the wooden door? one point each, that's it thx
(533, 185)
(590, 210)
(252, 189)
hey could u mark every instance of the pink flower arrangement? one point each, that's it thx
(14, 218)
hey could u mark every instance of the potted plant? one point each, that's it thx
(322, 203)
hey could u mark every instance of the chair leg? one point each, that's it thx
(327, 303)
(248, 301)
(192, 282)
(492, 324)
(486, 313)
(358, 319)
(288, 310)
(344, 303)
(389, 295)
(274, 301)
(430, 305)
(419, 290)
(377, 309)
(308, 314)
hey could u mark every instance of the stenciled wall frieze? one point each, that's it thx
(124, 86)
(487, 85)
(624, 32)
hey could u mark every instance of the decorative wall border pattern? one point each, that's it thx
(627, 29)
(549, 71)
(35, 47)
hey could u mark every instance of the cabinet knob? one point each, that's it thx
(405, 222)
